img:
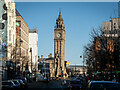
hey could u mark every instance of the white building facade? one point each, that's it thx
(33, 45)
(11, 28)
(8, 33)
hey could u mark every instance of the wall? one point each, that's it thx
(33, 43)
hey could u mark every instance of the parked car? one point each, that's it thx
(8, 84)
(17, 83)
(79, 78)
(75, 84)
(24, 79)
(54, 78)
(51, 78)
(46, 79)
(103, 85)
(39, 78)
(22, 85)
(58, 78)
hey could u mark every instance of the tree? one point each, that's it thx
(102, 51)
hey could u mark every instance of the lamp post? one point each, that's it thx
(83, 64)
(44, 65)
(36, 63)
(31, 59)
(75, 70)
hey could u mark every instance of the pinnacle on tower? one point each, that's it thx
(59, 21)
(60, 17)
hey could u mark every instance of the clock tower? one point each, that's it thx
(59, 47)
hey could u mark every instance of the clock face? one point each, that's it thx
(59, 35)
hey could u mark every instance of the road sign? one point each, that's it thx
(68, 63)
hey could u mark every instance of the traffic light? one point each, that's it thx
(2, 25)
(4, 7)
(4, 17)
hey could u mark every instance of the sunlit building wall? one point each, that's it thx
(11, 29)
(22, 42)
(33, 44)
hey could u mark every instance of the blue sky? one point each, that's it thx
(79, 19)
(66, 0)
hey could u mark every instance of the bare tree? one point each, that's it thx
(100, 52)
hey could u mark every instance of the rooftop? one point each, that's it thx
(45, 59)
(33, 31)
(17, 13)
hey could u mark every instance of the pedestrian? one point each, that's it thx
(64, 81)
(114, 79)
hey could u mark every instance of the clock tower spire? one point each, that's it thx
(59, 47)
(59, 21)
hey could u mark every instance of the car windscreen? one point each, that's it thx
(75, 82)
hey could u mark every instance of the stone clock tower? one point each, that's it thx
(59, 47)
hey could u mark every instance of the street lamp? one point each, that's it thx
(83, 64)
(44, 65)
(31, 59)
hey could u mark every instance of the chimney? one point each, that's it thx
(41, 56)
(50, 55)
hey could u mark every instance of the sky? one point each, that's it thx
(66, 0)
(79, 20)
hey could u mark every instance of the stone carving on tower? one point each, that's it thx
(59, 47)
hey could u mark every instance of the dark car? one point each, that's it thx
(22, 84)
(24, 80)
(17, 83)
(8, 84)
(51, 78)
(54, 78)
(103, 85)
(79, 78)
(46, 80)
(75, 84)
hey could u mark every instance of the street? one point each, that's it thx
(49, 85)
